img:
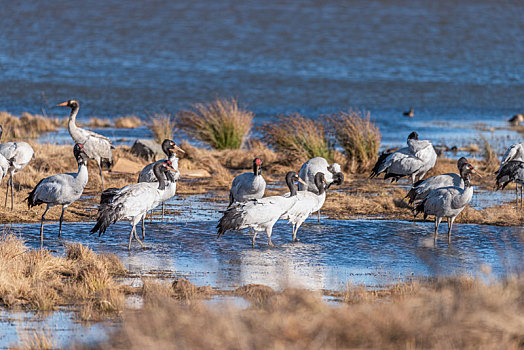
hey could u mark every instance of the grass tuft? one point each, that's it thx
(490, 162)
(163, 126)
(96, 123)
(128, 122)
(27, 126)
(358, 136)
(221, 124)
(297, 137)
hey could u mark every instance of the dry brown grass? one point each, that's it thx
(297, 138)
(95, 122)
(38, 280)
(35, 340)
(462, 313)
(27, 126)
(162, 126)
(221, 124)
(491, 162)
(128, 122)
(358, 136)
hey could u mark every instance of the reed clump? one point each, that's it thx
(27, 126)
(128, 122)
(457, 312)
(162, 125)
(37, 280)
(358, 136)
(298, 138)
(221, 124)
(490, 162)
(95, 122)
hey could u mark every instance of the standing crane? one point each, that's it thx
(448, 202)
(248, 186)
(146, 174)
(515, 152)
(18, 154)
(415, 160)
(307, 203)
(131, 202)
(511, 171)
(260, 214)
(96, 146)
(61, 189)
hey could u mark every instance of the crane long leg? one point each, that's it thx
(269, 231)
(516, 195)
(144, 226)
(138, 239)
(254, 237)
(318, 213)
(520, 196)
(12, 194)
(131, 237)
(294, 233)
(7, 190)
(162, 211)
(101, 175)
(437, 223)
(61, 219)
(42, 227)
(450, 226)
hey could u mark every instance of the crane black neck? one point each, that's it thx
(256, 168)
(290, 181)
(166, 147)
(319, 182)
(159, 173)
(74, 111)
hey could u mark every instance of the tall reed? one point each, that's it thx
(163, 126)
(358, 136)
(221, 124)
(297, 137)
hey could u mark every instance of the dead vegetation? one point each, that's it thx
(128, 122)
(27, 126)
(445, 313)
(96, 123)
(297, 138)
(38, 280)
(163, 126)
(221, 124)
(358, 136)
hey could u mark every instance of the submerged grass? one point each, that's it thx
(221, 124)
(297, 138)
(358, 136)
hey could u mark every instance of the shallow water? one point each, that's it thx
(331, 253)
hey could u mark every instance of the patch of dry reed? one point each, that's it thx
(358, 136)
(95, 122)
(27, 126)
(221, 124)
(297, 138)
(163, 126)
(128, 122)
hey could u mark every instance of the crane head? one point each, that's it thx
(69, 103)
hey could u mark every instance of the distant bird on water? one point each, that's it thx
(410, 113)
(448, 202)
(421, 189)
(96, 146)
(517, 119)
(260, 214)
(131, 202)
(248, 186)
(414, 161)
(512, 171)
(147, 175)
(62, 189)
(18, 155)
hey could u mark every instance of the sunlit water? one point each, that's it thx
(455, 63)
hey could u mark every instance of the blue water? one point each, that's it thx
(457, 62)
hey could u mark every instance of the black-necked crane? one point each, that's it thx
(18, 155)
(147, 175)
(96, 146)
(415, 160)
(260, 214)
(248, 186)
(448, 202)
(515, 152)
(61, 189)
(131, 202)
(422, 188)
(511, 171)
(307, 203)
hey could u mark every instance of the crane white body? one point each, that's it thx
(18, 155)
(248, 186)
(333, 173)
(511, 171)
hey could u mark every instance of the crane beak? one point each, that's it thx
(302, 181)
(63, 104)
(176, 148)
(473, 171)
